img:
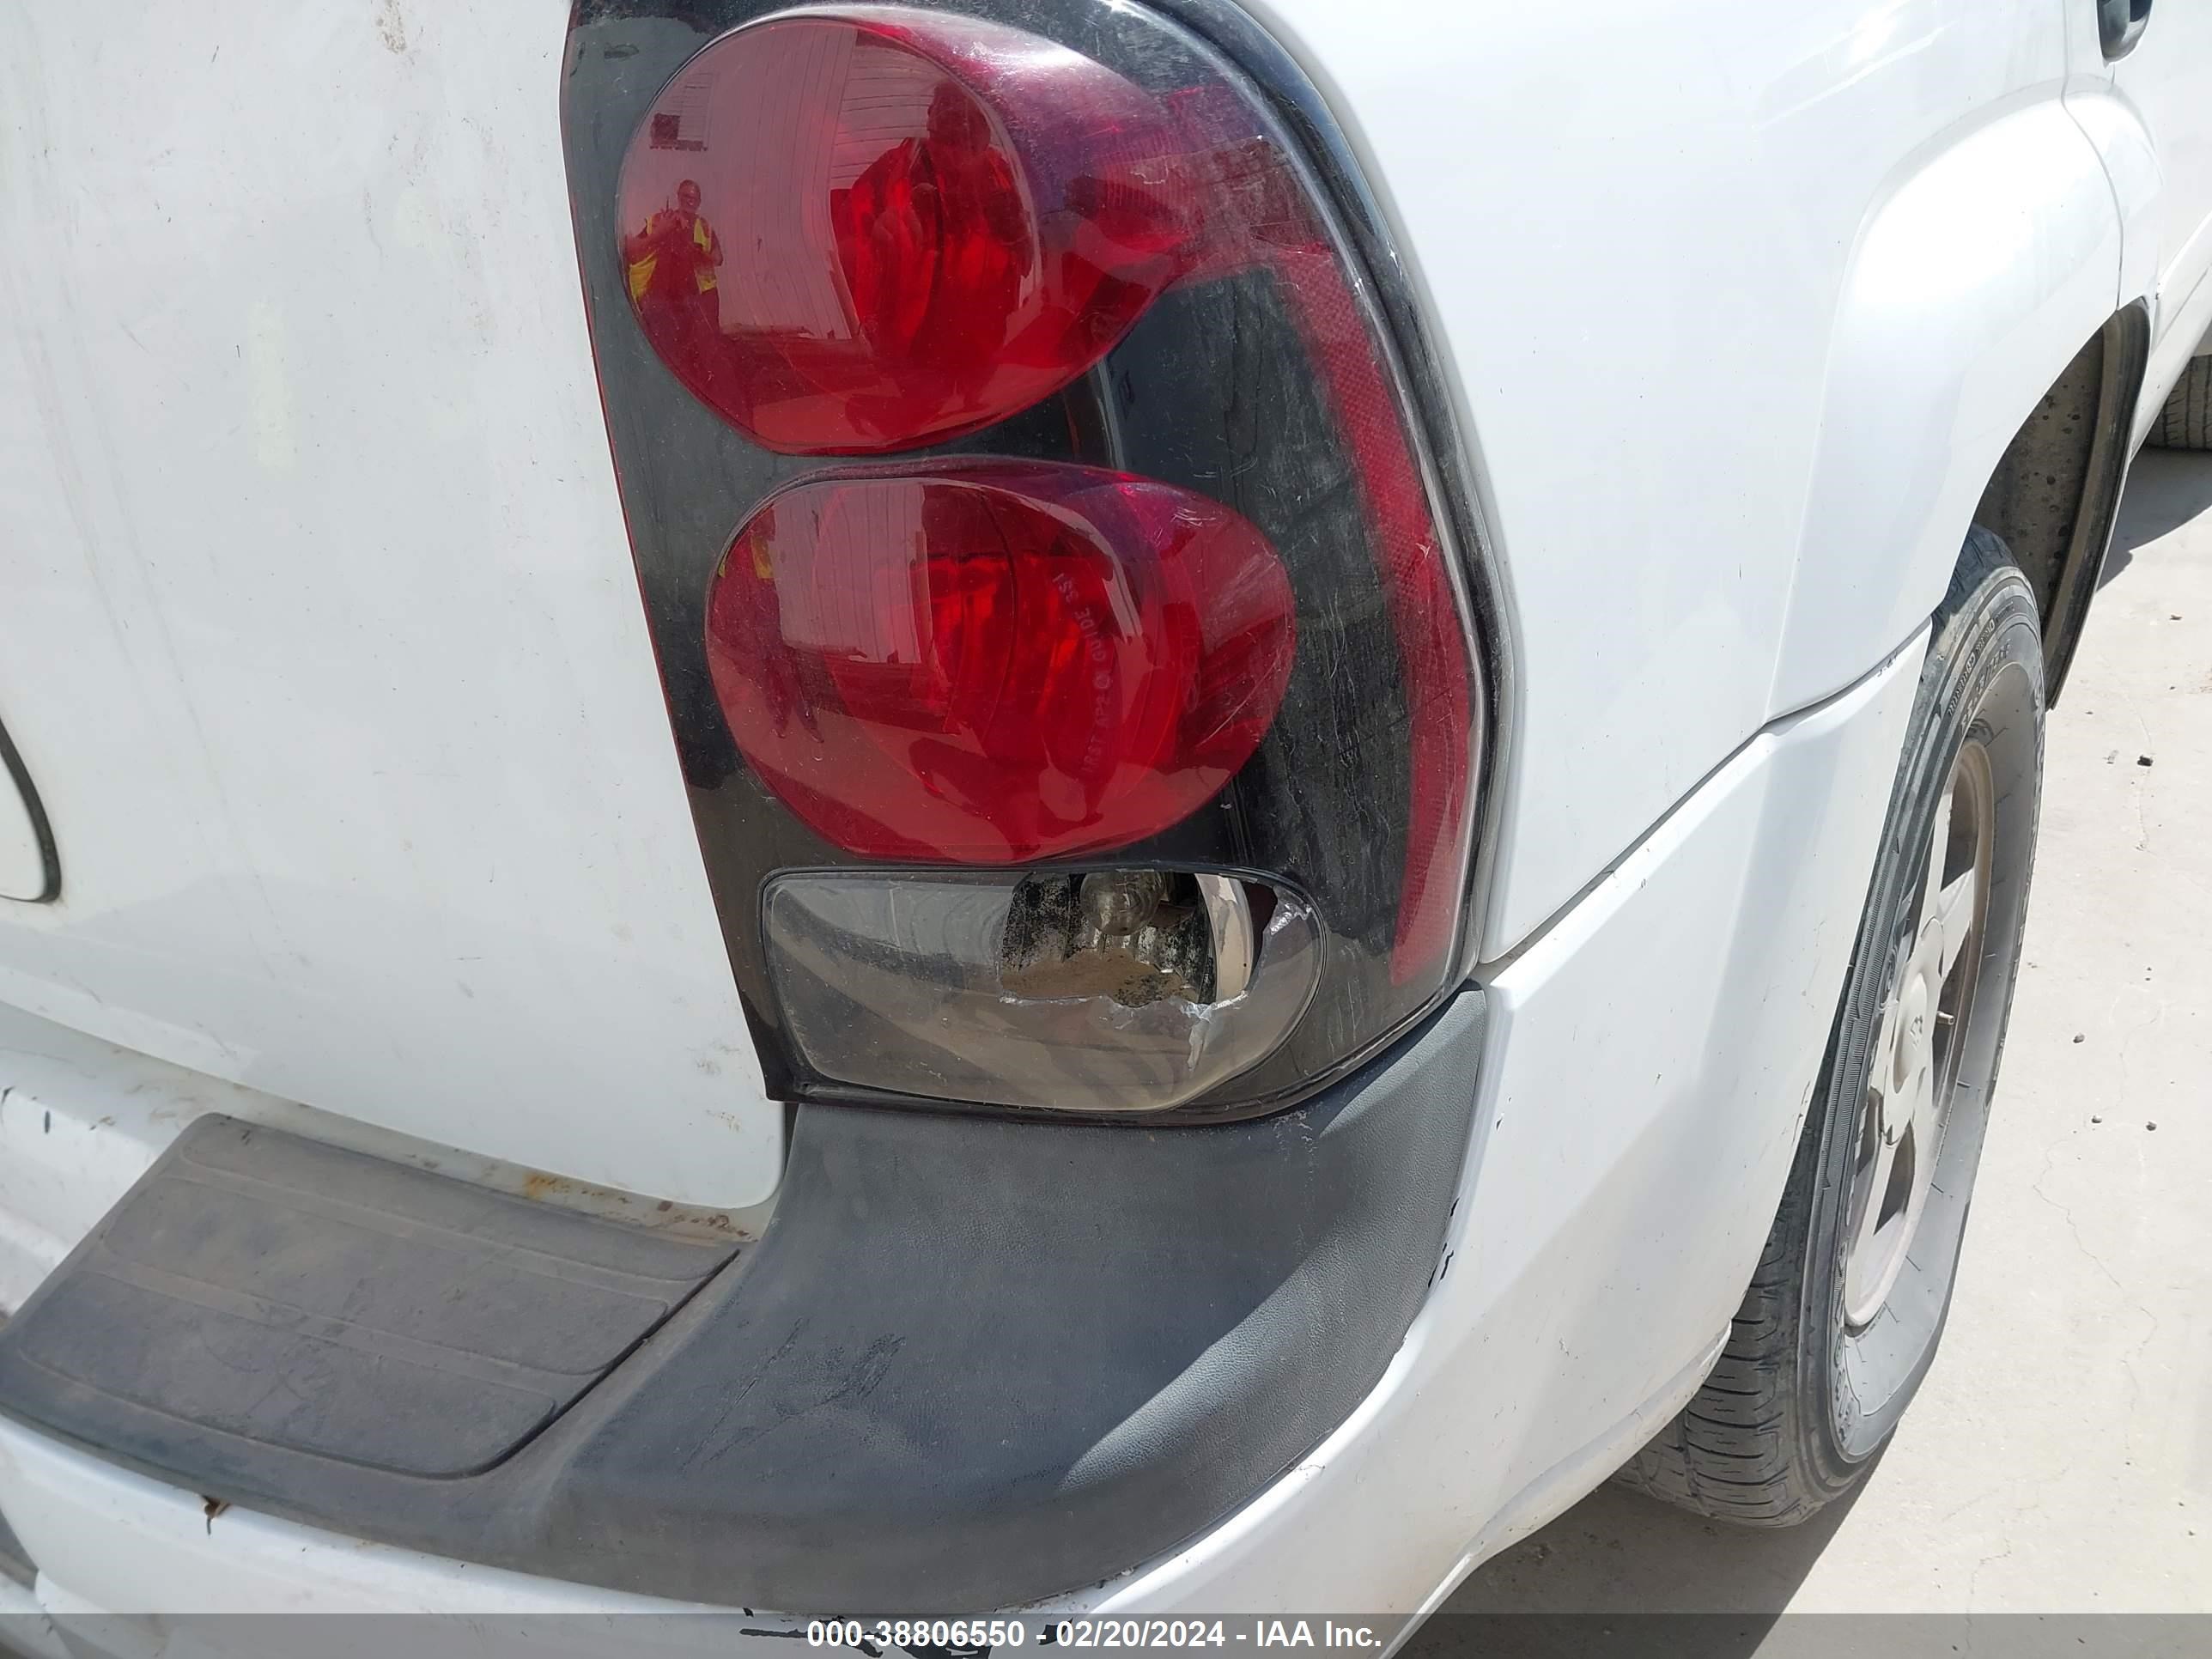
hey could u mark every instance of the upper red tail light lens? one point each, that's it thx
(870, 231)
(998, 664)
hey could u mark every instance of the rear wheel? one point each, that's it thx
(1844, 1314)
(2185, 422)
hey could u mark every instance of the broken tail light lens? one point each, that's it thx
(1106, 992)
(1120, 753)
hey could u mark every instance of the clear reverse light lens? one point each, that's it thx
(1110, 992)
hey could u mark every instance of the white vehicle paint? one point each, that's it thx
(323, 645)
(322, 649)
(2146, 114)
(1843, 311)
(2167, 88)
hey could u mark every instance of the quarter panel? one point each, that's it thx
(1973, 286)
(1635, 237)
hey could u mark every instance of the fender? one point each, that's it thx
(2056, 495)
(1972, 285)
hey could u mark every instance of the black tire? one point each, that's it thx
(2185, 422)
(1799, 1404)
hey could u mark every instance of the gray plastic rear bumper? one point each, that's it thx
(972, 1363)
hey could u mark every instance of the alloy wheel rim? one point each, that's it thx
(1926, 1013)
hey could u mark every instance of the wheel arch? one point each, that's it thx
(2055, 493)
(1973, 286)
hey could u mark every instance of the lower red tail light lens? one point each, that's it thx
(866, 232)
(999, 663)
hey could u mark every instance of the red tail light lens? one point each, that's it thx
(998, 664)
(1168, 668)
(922, 225)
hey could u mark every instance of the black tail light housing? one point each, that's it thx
(1060, 606)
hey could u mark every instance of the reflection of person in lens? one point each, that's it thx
(672, 261)
(983, 247)
(752, 630)
(936, 249)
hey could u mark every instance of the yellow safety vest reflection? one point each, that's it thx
(702, 238)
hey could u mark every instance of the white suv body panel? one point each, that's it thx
(322, 644)
(1703, 280)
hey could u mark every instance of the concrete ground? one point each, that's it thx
(2059, 1457)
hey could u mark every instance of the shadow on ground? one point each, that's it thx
(1617, 1552)
(2167, 488)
